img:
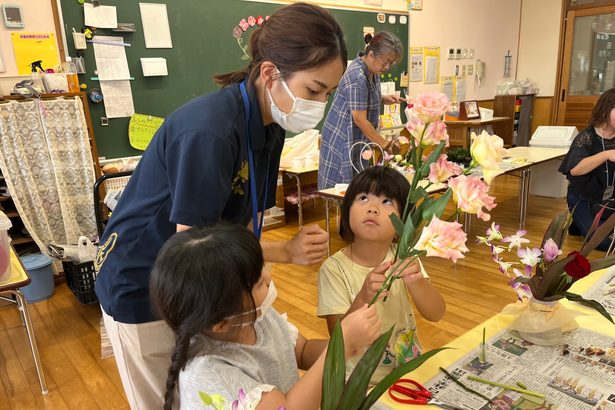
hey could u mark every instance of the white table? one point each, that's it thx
(531, 157)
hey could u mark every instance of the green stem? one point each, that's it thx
(506, 386)
(386, 285)
(463, 386)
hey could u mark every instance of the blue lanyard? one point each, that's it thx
(257, 226)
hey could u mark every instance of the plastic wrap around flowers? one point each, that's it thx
(434, 181)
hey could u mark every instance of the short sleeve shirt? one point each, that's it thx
(358, 90)
(339, 282)
(194, 172)
(590, 186)
(223, 368)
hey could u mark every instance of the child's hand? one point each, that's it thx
(411, 274)
(373, 281)
(360, 329)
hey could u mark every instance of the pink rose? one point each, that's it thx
(435, 133)
(471, 195)
(443, 239)
(430, 106)
(415, 125)
(441, 170)
(244, 24)
(251, 21)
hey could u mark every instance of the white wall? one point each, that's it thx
(538, 43)
(392, 5)
(37, 16)
(490, 27)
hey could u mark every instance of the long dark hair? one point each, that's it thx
(377, 180)
(200, 277)
(601, 113)
(296, 37)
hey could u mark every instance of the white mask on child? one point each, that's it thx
(304, 115)
(265, 306)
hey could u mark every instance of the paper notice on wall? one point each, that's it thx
(118, 98)
(416, 64)
(460, 89)
(141, 130)
(111, 62)
(100, 17)
(447, 87)
(431, 65)
(156, 28)
(30, 47)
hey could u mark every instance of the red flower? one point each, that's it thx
(260, 20)
(579, 267)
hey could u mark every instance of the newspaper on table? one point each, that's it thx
(579, 374)
(603, 291)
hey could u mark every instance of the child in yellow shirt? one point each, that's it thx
(351, 277)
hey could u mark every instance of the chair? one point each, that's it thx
(116, 180)
(9, 291)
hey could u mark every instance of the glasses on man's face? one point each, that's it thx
(386, 64)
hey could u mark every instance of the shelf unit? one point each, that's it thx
(516, 131)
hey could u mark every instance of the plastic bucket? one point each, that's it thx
(41, 274)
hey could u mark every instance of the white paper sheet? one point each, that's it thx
(431, 70)
(117, 98)
(155, 25)
(416, 67)
(100, 17)
(111, 62)
(154, 66)
(460, 89)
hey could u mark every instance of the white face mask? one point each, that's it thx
(304, 115)
(272, 294)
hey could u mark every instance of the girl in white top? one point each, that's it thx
(209, 285)
(351, 277)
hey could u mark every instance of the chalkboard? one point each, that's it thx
(203, 44)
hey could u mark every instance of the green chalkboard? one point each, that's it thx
(203, 44)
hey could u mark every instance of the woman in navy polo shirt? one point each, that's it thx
(354, 113)
(198, 170)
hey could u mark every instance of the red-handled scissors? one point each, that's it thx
(411, 392)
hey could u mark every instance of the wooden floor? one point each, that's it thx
(69, 341)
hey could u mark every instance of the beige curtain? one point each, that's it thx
(46, 160)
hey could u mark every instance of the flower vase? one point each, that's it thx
(541, 322)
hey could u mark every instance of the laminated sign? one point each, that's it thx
(141, 130)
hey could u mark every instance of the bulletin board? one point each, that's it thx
(203, 45)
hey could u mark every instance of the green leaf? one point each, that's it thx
(397, 224)
(438, 206)
(602, 263)
(357, 385)
(432, 158)
(590, 303)
(417, 194)
(395, 374)
(554, 230)
(334, 372)
(406, 236)
(598, 236)
(520, 279)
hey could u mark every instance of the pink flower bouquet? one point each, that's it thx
(420, 227)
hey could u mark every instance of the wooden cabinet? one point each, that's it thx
(515, 131)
